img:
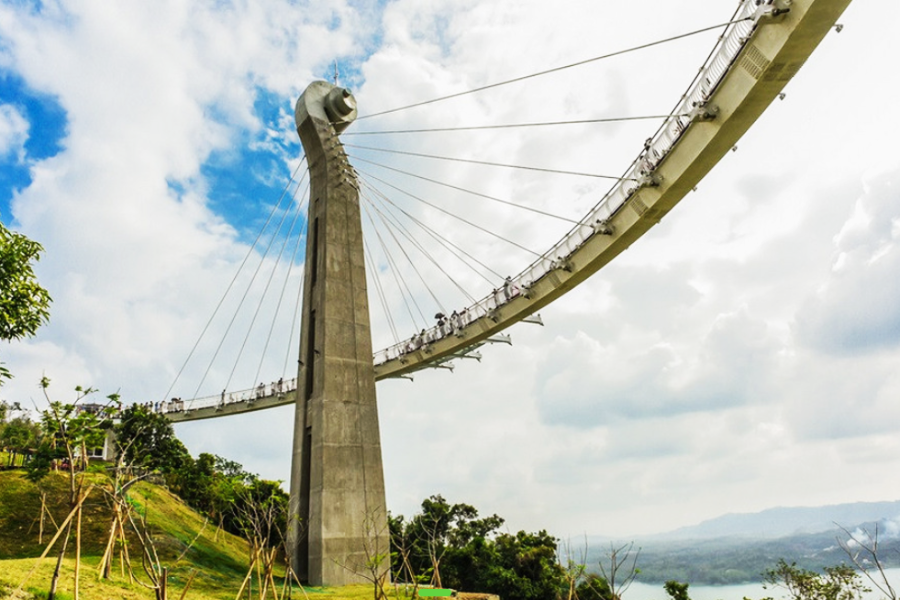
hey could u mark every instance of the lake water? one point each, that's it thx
(755, 591)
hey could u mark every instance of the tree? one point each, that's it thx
(68, 432)
(24, 304)
(195, 482)
(148, 440)
(145, 444)
(442, 529)
(619, 568)
(448, 545)
(19, 436)
(574, 569)
(434, 527)
(677, 590)
(594, 587)
(526, 567)
(862, 549)
(835, 583)
(401, 544)
(258, 509)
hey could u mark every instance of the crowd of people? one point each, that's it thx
(173, 405)
(511, 288)
(458, 320)
(177, 405)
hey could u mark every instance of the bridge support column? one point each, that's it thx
(338, 511)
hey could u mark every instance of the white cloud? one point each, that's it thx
(707, 370)
(856, 308)
(13, 132)
(149, 93)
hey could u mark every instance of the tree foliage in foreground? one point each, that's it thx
(24, 304)
(448, 545)
(237, 501)
(146, 439)
(834, 583)
(18, 437)
(68, 433)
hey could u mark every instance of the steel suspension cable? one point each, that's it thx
(699, 72)
(452, 248)
(732, 22)
(298, 303)
(482, 162)
(554, 69)
(241, 303)
(379, 289)
(230, 285)
(412, 263)
(395, 271)
(405, 232)
(457, 217)
(297, 214)
(265, 289)
(440, 239)
(507, 126)
(467, 191)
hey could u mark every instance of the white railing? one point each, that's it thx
(729, 45)
(260, 392)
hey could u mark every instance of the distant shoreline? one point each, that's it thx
(753, 591)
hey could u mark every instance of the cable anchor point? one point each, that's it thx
(703, 111)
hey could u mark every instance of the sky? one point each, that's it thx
(742, 355)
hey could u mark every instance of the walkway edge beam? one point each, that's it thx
(772, 55)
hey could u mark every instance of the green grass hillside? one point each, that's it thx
(186, 543)
(20, 509)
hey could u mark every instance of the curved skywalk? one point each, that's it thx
(763, 49)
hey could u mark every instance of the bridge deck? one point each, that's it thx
(750, 67)
(264, 396)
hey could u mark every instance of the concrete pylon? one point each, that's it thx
(338, 512)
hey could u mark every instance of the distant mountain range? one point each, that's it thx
(739, 548)
(786, 521)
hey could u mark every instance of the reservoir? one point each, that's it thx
(753, 591)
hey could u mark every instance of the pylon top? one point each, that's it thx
(326, 102)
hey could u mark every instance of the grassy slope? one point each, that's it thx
(218, 558)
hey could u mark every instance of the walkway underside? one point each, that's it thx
(769, 58)
(240, 402)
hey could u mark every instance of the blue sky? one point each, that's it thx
(246, 176)
(46, 122)
(741, 355)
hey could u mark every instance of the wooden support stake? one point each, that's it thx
(53, 541)
(187, 585)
